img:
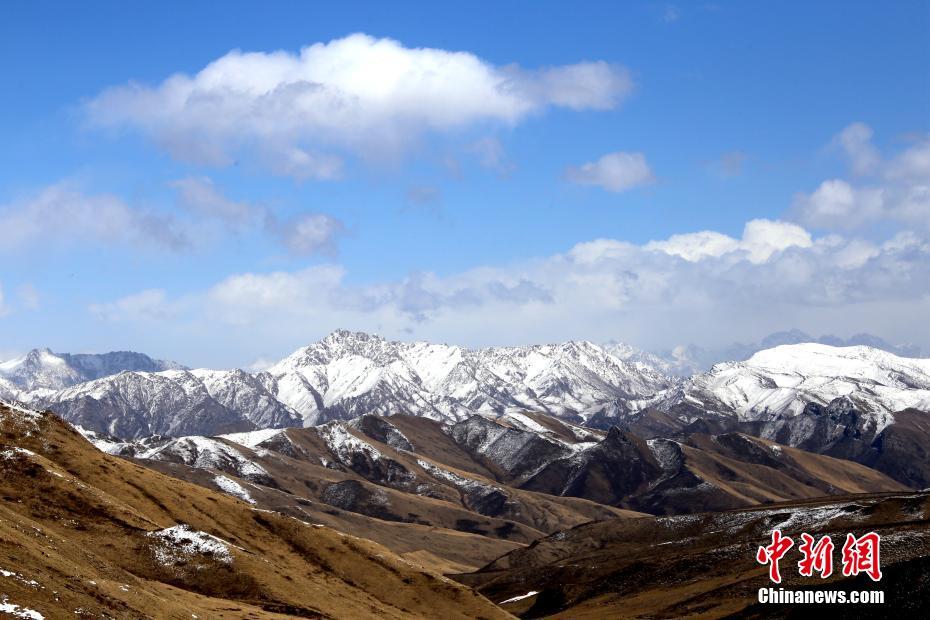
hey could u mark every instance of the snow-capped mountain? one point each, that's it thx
(348, 374)
(780, 382)
(172, 402)
(42, 369)
(687, 360)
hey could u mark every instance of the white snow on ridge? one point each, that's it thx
(782, 380)
(27, 412)
(231, 487)
(251, 439)
(100, 441)
(344, 444)
(459, 482)
(181, 541)
(519, 598)
(204, 453)
(449, 382)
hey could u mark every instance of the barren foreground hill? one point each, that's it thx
(703, 565)
(86, 534)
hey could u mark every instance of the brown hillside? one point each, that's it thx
(86, 534)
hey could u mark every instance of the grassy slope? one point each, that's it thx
(74, 520)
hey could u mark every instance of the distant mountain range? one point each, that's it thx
(517, 463)
(348, 374)
(345, 375)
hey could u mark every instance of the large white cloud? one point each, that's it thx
(357, 94)
(761, 239)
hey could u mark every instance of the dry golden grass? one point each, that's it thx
(75, 521)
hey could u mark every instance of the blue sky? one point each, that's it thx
(530, 172)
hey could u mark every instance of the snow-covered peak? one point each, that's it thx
(43, 369)
(349, 374)
(782, 380)
(858, 362)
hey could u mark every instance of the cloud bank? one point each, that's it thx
(659, 294)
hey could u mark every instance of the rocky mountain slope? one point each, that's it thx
(86, 534)
(858, 403)
(403, 481)
(704, 565)
(423, 497)
(513, 477)
(173, 402)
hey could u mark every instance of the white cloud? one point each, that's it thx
(696, 246)
(837, 204)
(913, 164)
(761, 239)
(705, 286)
(897, 192)
(614, 172)
(305, 234)
(4, 309)
(365, 96)
(201, 196)
(856, 142)
(147, 305)
(62, 214)
(313, 233)
(491, 155)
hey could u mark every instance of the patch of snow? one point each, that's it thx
(344, 444)
(17, 611)
(230, 486)
(252, 439)
(29, 582)
(100, 441)
(178, 542)
(460, 482)
(205, 453)
(519, 598)
(14, 450)
(666, 453)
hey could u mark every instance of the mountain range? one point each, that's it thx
(572, 479)
(835, 400)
